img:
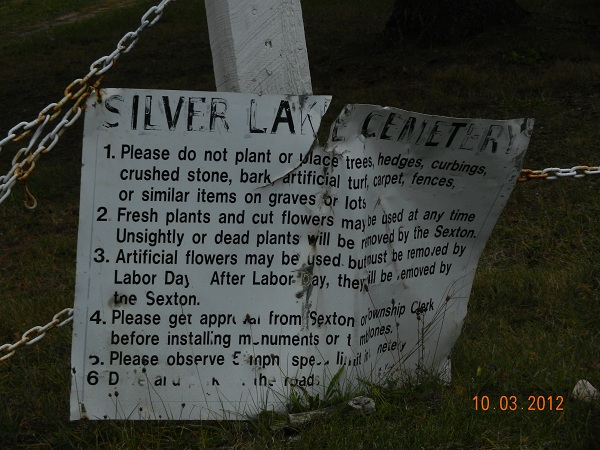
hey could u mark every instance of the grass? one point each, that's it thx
(534, 313)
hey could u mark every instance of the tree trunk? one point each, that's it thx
(445, 21)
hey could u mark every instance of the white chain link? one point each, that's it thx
(76, 93)
(24, 160)
(553, 173)
(36, 333)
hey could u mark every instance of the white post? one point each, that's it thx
(258, 46)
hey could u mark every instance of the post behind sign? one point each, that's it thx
(258, 47)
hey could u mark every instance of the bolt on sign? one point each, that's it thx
(225, 258)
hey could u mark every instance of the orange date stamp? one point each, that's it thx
(514, 403)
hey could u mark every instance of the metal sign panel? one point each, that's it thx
(225, 258)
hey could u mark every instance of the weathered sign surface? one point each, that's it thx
(225, 258)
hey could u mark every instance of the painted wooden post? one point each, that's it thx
(258, 46)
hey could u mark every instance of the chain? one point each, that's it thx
(23, 163)
(36, 333)
(553, 173)
(75, 95)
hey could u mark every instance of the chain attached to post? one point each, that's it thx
(75, 95)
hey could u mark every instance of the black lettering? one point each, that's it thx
(112, 109)
(284, 107)
(172, 121)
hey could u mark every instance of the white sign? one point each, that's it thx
(225, 258)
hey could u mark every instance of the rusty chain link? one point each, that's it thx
(23, 163)
(76, 93)
(553, 173)
(36, 333)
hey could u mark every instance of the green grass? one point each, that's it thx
(534, 314)
(19, 18)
